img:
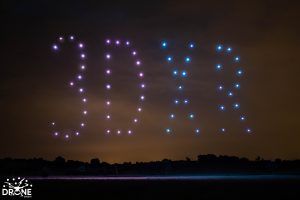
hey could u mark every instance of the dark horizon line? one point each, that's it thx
(212, 156)
(205, 164)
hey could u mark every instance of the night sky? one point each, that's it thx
(34, 79)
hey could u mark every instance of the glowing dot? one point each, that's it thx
(191, 116)
(84, 100)
(223, 130)
(129, 132)
(219, 47)
(79, 77)
(71, 83)
(80, 45)
(82, 55)
(142, 97)
(53, 123)
(183, 73)
(186, 101)
(191, 45)
(218, 66)
(168, 130)
(84, 112)
(108, 86)
(82, 67)
(237, 85)
(248, 130)
(222, 107)
(107, 116)
(108, 103)
(127, 43)
(169, 58)
(187, 59)
(82, 124)
(117, 42)
(134, 53)
(242, 118)
(108, 56)
(139, 109)
(81, 90)
(220, 87)
(237, 59)
(236, 105)
(56, 133)
(197, 130)
(229, 49)
(138, 62)
(135, 120)
(77, 133)
(175, 72)
(176, 101)
(180, 87)
(107, 131)
(61, 38)
(118, 132)
(164, 44)
(143, 85)
(108, 71)
(239, 72)
(71, 37)
(141, 74)
(67, 136)
(55, 47)
(107, 41)
(172, 116)
(230, 94)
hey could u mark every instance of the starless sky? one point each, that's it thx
(34, 79)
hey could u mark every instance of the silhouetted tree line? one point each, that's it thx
(205, 164)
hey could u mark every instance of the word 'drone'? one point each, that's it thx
(180, 73)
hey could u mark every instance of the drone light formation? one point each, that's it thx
(180, 71)
(233, 88)
(180, 74)
(141, 85)
(79, 87)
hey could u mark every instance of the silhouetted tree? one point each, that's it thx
(258, 158)
(95, 162)
(59, 160)
(207, 158)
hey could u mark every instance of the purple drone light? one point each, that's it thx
(79, 86)
(126, 46)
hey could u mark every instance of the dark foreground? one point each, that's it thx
(174, 187)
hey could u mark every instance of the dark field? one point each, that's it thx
(176, 187)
